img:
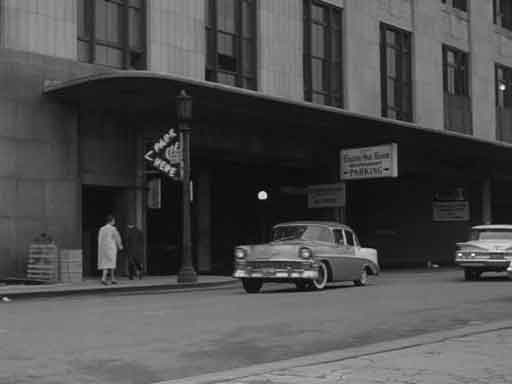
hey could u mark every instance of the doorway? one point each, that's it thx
(97, 203)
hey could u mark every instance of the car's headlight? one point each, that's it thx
(240, 253)
(459, 254)
(305, 253)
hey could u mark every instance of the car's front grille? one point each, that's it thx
(276, 264)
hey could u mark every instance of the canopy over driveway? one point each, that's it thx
(149, 92)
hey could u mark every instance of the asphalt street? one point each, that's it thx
(151, 337)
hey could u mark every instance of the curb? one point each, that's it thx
(342, 355)
(80, 291)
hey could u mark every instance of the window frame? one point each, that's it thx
(328, 60)
(212, 28)
(461, 5)
(93, 42)
(403, 50)
(502, 13)
(460, 56)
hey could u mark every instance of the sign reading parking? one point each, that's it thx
(166, 155)
(369, 162)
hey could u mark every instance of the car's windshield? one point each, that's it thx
(288, 232)
(491, 234)
(302, 232)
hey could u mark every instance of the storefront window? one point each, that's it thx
(323, 80)
(231, 42)
(396, 86)
(112, 33)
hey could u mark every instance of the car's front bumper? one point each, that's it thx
(307, 271)
(496, 265)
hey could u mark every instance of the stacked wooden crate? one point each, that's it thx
(70, 265)
(43, 262)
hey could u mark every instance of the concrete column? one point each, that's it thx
(486, 202)
(427, 64)
(204, 230)
(482, 70)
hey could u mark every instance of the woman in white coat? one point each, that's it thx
(109, 242)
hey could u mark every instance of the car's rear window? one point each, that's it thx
(491, 234)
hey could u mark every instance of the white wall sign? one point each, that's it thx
(450, 211)
(327, 195)
(166, 155)
(369, 162)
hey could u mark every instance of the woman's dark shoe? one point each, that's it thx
(114, 282)
(104, 282)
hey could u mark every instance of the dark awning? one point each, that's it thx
(143, 91)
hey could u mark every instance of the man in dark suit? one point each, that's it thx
(134, 248)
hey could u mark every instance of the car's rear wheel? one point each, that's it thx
(471, 274)
(252, 285)
(321, 281)
(363, 278)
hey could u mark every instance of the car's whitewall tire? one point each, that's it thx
(363, 278)
(321, 281)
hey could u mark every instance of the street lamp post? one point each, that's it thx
(187, 274)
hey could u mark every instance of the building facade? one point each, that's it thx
(279, 88)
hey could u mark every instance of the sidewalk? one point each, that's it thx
(475, 354)
(93, 286)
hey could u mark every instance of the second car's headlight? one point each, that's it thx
(305, 253)
(240, 253)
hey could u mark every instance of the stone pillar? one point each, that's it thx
(486, 202)
(483, 53)
(204, 229)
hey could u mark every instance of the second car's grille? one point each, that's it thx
(275, 264)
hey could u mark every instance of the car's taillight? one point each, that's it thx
(240, 253)
(305, 253)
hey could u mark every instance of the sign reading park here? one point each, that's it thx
(166, 155)
(369, 162)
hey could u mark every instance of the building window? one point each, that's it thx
(504, 103)
(503, 13)
(231, 42)
(395, 64)
(457, 4)
(112, 33)
(323, 72)
(457, 104)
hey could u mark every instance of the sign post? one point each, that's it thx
(187, 274)
(171, 155)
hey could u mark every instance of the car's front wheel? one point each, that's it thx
(252, 285)
(363, 278)
(321, 281)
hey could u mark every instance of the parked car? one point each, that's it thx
(307, 253)
(489, 249)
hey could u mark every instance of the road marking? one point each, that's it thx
(159, 312)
